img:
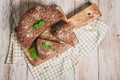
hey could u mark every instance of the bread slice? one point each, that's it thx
(66, 34)
(47, 48)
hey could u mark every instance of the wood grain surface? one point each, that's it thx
(102, 64)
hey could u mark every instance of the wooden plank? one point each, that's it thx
(67, 6)
(47, 2)
(33, 3)
(68, 9)
(88, 68)
(69, 76)
(4, 38)
(18, 70)
(30, 77)
(109, 51)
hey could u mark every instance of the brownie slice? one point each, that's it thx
(47, 48)
(66, 34)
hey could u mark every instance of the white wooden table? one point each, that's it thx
(102, 64)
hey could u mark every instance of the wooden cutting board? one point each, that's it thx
(83, 17)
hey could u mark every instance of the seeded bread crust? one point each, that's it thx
(25, 31)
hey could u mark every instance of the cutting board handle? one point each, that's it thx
(85, 16)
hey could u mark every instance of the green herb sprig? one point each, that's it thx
(47, 46)
(39, 24)
(33, 53)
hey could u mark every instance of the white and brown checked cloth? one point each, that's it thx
(89, 38)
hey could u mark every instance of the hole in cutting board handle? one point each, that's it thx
(89, 13)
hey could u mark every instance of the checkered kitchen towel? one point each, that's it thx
(89, 37)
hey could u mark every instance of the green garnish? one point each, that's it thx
(47, 46)
(33, 53)
(39, 24)
(36, 26)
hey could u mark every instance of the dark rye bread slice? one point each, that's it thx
(66, 34)
(26, 33)
(44, 52)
